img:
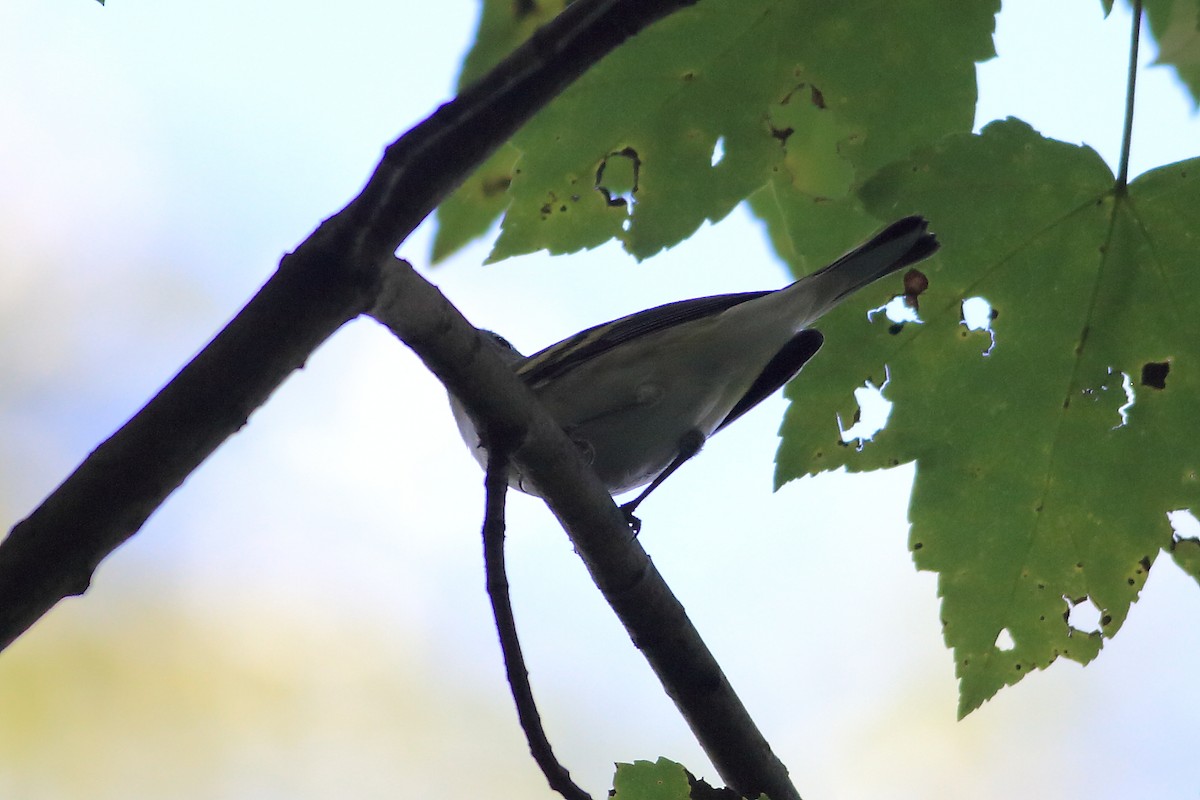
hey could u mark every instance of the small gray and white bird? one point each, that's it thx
(640, 395)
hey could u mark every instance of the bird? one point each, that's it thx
(640, 395)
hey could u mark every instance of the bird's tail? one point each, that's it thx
(900, 244)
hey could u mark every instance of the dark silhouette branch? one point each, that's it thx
(556, 774)
(54, 551)
(330, 279)
(345, 268)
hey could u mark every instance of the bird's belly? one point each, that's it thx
(629, 441)
(629, 450)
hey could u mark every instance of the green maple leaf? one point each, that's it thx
(1176, 26)
(1039, 487)
(651, 780)
(1035, 490)
(470, 211)
(791, 90)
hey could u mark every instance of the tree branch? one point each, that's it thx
(337, 273)
(556, 774)
(54, 551)
(504, 408)
(486, 114)
(330, 279)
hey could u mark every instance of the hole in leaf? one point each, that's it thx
(617, 177)
(1083, 615)
(978, 315)
(898, 311)
(872, 415)
(1154, 374)
(718, 153)
(1127, 385)
(1184, 524)
(1004, 640)
(1109, 384)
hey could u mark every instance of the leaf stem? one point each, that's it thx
(1130, 92)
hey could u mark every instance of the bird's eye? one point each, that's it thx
(498, 339)
(508, 351)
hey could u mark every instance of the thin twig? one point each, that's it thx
(496, 483)
(1130, 93)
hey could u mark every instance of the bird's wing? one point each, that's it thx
(779, 370)
(587, 344)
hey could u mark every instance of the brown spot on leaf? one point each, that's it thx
(915, 282)
(495, 185)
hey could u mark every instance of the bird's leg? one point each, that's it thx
(689, 444)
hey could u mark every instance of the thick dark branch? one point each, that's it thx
(487, 113)
(336, 274)
(54, 551)
(331, 278)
